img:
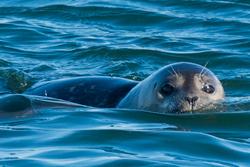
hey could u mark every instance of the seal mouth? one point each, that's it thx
(179, 111)
(186, 109)
(212, 107)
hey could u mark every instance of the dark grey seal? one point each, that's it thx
(178, 87)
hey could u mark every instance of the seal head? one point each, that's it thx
(179, 87)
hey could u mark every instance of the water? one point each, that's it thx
(46, 40)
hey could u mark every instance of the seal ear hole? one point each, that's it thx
(167, 90)
(208, 88)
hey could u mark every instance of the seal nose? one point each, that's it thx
(192, 101)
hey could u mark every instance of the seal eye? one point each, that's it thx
(208, 88)
(166, 90)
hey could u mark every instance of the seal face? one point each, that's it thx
(178, 87)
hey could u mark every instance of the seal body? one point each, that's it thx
(105, 92)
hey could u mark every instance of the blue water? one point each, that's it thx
(42, 40)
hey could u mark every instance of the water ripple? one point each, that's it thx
(46, 40)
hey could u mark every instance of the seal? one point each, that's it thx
(175, 88)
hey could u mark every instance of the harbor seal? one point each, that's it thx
(175, 88)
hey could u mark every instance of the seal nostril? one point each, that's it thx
(188, 99)
(194, 99)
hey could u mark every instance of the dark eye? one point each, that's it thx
(166, 90)
(208, 88)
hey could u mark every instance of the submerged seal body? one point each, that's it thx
(177, 87)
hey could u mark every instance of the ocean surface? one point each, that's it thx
(43, 40)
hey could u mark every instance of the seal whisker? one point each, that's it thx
(204, 67)
(176, 74)
(171, 72)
